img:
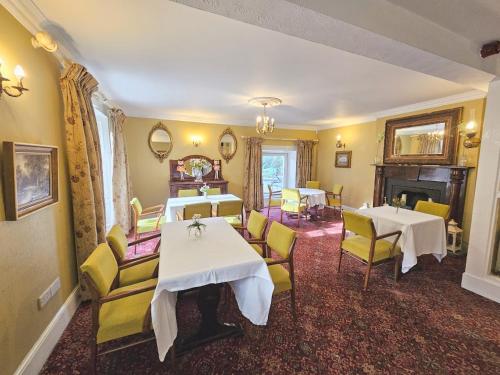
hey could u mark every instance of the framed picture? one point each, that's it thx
(343, 159)
(30, 178)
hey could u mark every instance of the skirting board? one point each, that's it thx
(486, 287)
(40, 352)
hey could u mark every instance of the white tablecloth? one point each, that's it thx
(220, 255)
(421, 233)
(175, 205)
(316, 197)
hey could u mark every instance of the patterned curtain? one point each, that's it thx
(253, 193)
(121, 181)
(304, 162)
(84, 163)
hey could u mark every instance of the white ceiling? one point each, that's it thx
(170, 61)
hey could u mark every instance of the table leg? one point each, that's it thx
(210, 329)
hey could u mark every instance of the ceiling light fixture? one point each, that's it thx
(263, 123)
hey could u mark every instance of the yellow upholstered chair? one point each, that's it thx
(312, 184)
(117, 241)
(281, 241)
(256, 227)
(366, 246)
(334, 197)
(214, 191)
(117, 311)
(187, 193)
(433, 208)
(292, 202)
(203, 209)
(146, 219)
(232, 211)
(274, 199)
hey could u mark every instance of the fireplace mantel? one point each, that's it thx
(453, 179)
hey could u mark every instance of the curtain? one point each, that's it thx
(304, 162)
(84, 163)
(121, 181)
(253, 193)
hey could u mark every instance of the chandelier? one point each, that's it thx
(263, 123)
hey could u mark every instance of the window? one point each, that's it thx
(278, 167)
(107, 164)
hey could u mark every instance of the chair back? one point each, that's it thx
(230, 208)
(312, 184)
(281, 239)
(203, 209)
(292, 195)
(136, 205)
(214, 191)
(433, 208)
(117, 241)
(187, 193)
(256, 224)
(101, 268)
(359, 224)
(337, 189)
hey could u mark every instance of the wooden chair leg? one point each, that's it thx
(268, 209)
(93, 357)
(340, 259)
(298, 220)
(281, 216)
(367, 276)
(397, 267)
(294, 309)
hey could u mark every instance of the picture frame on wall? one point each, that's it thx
(343, 159)
(30, 178)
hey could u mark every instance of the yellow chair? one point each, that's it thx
(366, 246)
(214, 191)
(312, 184)
(187, 193)
(335, 197)
(148, 219)
(116, 311)
(274, 199)
(117, 241)
(281, 240)
(232, 212)
(203, 209)
(256, 227)
(433, 208)
(292, 202)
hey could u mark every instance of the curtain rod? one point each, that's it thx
(281, 139)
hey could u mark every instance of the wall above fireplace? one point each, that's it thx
(443, 184)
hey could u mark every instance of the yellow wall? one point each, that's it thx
(150, 178)
(38, 248)
(361, 140)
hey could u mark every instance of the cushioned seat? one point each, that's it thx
(257, 248)
(149, 224)
(138, 273)
(235, 221)
(280, 277)
(274, 202)
(360, 246)
(293, 207)
(125, 316)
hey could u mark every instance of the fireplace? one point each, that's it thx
(415, 191)
(442, 184)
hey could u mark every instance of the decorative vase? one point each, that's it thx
(195, 233)
(205, 194)
(198, 175)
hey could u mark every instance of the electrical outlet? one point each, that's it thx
(49, 293)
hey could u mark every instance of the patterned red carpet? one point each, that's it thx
(424, 324)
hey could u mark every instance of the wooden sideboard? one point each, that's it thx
(178, 183)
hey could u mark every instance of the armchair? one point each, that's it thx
(146, 219)
(274, 199)
(256, 227)
(334, 197)
(292, 202)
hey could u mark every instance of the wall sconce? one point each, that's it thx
(339, 143)
(196, 141)
(471, 131)
(14, 90)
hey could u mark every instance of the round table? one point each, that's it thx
(315, 197)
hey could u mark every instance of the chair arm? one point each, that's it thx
(135, 262)
(144, 239)
(278, 261)
(398, 232)
(147, 257)
(153, 209)
(256, 241)
(126, 294)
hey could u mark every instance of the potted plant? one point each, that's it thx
(196, 227)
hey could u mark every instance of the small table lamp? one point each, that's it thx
(454, 237)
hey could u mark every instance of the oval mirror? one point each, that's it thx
(160, 141)
(195, 166)
(228, 144)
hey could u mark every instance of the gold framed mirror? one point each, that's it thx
(160, 141)
(228, 144)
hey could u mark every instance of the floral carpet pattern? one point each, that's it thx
(423, 324)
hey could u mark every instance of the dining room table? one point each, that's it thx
(316, 198)
(176, 205)
(220, 255)
(422, 233)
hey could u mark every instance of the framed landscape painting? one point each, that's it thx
(30, 178)
(343, 159)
